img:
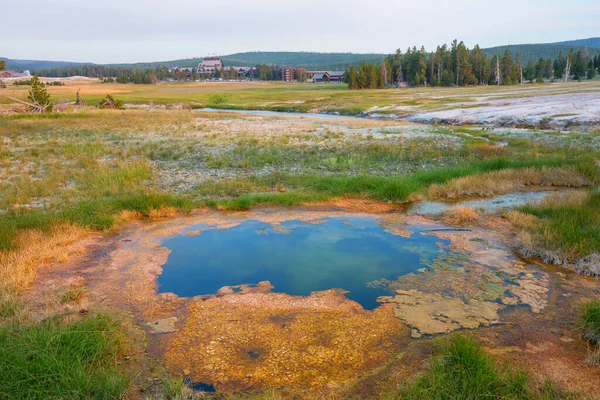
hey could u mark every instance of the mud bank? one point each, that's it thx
(249, 337)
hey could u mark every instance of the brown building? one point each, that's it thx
(11, 74)
(290, 74)
(210, 64)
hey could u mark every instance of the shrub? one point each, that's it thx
(217, 98)
(110, 102)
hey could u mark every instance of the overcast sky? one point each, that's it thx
(111, 31)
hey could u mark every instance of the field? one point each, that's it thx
(74, 183)
(304, 97)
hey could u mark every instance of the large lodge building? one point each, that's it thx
(210, 65)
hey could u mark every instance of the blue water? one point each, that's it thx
(296, 257)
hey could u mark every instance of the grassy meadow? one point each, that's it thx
(294, 97)
(64, 175)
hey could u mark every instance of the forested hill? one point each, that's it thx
(318, 61)
(549, 50)
(591, 42)
(322, 61)
(38, 64)
(308, 60)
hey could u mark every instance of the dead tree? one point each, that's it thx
(384, 73)
(521, 71)
(400, 75)
(34, 107)
(498, 72)
(80, 101)
(568, 69)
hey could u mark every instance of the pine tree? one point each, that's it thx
(38, 95)
(2, 65)
(591, 73)
(352, 78)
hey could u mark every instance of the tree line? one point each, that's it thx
(108, 74)
(456, 65)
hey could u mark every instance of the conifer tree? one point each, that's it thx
(352, 78)
(38, 95)
(591, 74)
(2, 65)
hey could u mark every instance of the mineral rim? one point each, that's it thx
(248, 336)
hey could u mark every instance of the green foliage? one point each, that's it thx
(571, 229)
(39, 95)
(2, 65)
(58, 360)
(110, 102)
(591, 73)
(536, 51)
(217, 98)
(462, 369)
(591, 321)
(29, 82)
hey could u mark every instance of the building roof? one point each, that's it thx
(336, 74)
(11, 74)
(211, 62)
(318, 76)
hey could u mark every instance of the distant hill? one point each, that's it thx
(322, 61)
(591, 42)
(317, 61)
(547, 50)
(22, 65)
(308, 60)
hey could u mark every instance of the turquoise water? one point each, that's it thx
(296, 257)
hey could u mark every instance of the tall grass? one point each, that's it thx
(572, 228)
(591, 321)
(57, 360)
(315, 187)
(462, 369)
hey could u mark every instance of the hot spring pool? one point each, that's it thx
(296, 257)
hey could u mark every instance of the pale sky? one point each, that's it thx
(113, 31)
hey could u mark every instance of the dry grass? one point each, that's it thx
(461, 215)
(18, 268)
(577, 198)
(521, 220)
(163, 212)
(508, 180)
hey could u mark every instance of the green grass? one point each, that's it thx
(99, 213)
(56, 360)
(461, 369)
(316, 187)
(591, 321)
(571, 229)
